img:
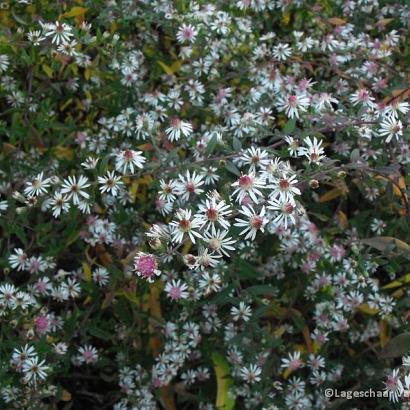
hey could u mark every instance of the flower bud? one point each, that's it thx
(314, 183)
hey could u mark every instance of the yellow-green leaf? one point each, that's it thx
(224, 398)
(87, 272)
(47, 69)
(75, 11)
(399, 282)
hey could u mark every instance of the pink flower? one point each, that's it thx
(146, 266)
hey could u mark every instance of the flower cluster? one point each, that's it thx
(203, 204)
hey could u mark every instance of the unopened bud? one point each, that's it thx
(341, 174)
(314, 183)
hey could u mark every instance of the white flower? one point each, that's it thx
(243, 312)
(248, 185)
(37, 185)
(126, 160)
(61, 32)
(187, 32)
(211, 212)
(285, 187)
(75, 189)
(176, 290)
(33, 370)
(185, 226)
(189, 184)
(87, 354)
(110, 183)
(218, 242)
(293, 104)
(210, 282)
(281, 52)
(391, 128)
(253, 223)
(101, 276)
(255, 157)
(18, 260)
(251, 374)
(284, 210)
(60, 204)
(178, 127)
(394, 386)
(314, 150)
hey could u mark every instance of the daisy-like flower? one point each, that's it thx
(314, 151)
(60, 32)
(253, 223)
(87, 354)
(146, 266)
(4, 62)
(101, 276)
(185, 226)
(128, 159)
(293, 362)
(34, 370)
(242, 312)
(394, 386)
(35, 37)
(19, 356)
(211, 212)
(281, 52)
(90, 163)
(75, 189)
(210, 282)
(176, 290)
(59, 204)
(189, 184)
(255, 157)
(110, 183)
(18, 260)
(187, 32)
(178, 127)
(219, 242)
(391, 128)
(169, 190)
(293, 104)
(251, 374)
(362, 96)
(37, 185)
(285, 187)
(248, 185)
(285, 210)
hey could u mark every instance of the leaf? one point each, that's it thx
(332, 194)
(289, 126)
(388, 244)
(47, 69)
(232, 168)
(99, 333)
(87, 272)
(383, 333)
(172, 69)
(398, 346)
(210, 147)
(65, 395)
(62, 152)
(224, 399)
(74, 12)
(337, 21)
(365, 308)
(236, 144)
(261, 290)
(399, 282)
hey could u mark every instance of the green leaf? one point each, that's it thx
(398, 346)
(289, 126)
(237, 145)
(388, 244)
(232, 168)
(261, 290)
(224, 398)
(99, 333)
(211, 145)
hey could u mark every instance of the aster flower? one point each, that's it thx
(314, 150)
(75, 189)
(248, 185)
(18, 260)
(285, 187)
(284, 210)
(187, 32)
(176, 290)
(128, 160)
(60, 32)
(242, 312)
(185, 226)
(293, 104)
(110, 183)
(34, 370)
(87, 354)
(251, 374)
(37, 185)
(391, 128)
(146, 266)
(253, 223)
(188, 185)
(178, 127)
(212, 212)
